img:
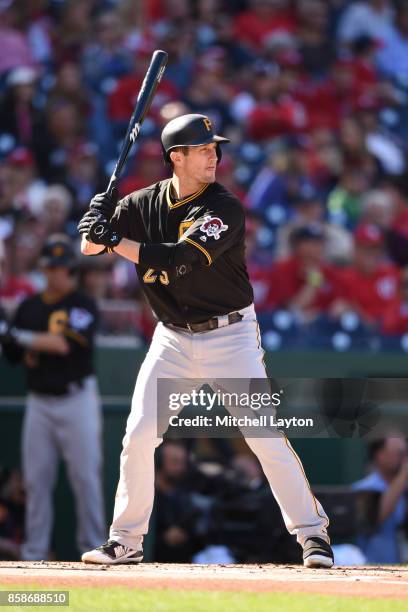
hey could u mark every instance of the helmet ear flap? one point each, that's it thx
(166, 156)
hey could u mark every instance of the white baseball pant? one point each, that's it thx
(68, 426)
(232, 351)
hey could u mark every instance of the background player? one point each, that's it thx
(186, 237)
(53, 333)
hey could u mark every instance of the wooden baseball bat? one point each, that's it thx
(143, 103)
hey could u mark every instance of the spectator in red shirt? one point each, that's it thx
(121, 100)
(395, 320)
(351, 83)
(147, 168)
(364, 63)
(304, 282)
(281, 116)
(327, 101)
(262, 19)
(370, 285)
(261, 89)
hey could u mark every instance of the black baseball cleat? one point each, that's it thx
(317, 553)
(112, 553)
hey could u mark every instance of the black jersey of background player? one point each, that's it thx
(212, 220)
(75, 316)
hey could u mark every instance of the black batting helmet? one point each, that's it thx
(189, 131)
(58, 252)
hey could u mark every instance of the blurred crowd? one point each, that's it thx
(312, 93)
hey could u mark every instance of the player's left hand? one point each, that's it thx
(100, 232)
(87, 220)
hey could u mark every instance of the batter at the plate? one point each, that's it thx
(186, 237)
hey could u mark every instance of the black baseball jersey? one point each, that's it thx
(75, 316)
(192, 258)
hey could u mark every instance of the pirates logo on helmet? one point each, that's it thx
(190, 130)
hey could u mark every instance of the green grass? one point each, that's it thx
(118, 599)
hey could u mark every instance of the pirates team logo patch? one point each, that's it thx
(212, 226)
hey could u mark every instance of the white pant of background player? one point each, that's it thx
(232, 351)
(68, 427)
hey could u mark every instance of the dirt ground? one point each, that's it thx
(384, 582)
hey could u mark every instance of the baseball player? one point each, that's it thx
(52, 333)
(186, 237)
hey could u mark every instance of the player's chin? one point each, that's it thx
(209, 176)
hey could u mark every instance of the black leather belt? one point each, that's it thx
(213, 323)
(69, 389)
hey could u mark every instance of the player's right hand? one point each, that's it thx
(8, 334)
(104, 204)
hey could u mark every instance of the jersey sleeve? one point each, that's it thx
(218, 229)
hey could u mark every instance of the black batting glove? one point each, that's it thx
(87, 220)
(101, 232)
(104, 204)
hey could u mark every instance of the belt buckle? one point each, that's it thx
(223, 321)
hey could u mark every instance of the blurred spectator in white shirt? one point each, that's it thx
(373, 18)
(392, 57)
(56, 206)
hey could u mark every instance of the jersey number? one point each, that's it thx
(150, 277)
(57, 321)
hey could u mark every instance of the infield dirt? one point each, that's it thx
(383, 582)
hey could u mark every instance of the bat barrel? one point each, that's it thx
(143, 103)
